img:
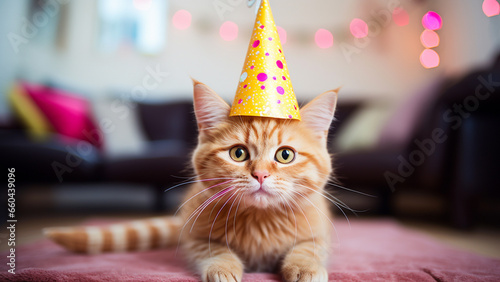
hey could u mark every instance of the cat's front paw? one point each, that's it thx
(302, 270)
(222, 272)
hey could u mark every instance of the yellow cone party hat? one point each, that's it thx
(265, 88)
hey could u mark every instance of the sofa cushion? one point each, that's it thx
(68, 114)
(168, 120)
(28, 112)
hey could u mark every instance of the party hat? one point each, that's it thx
(265, 89)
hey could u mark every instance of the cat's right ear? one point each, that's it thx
(209, 108)
(318, 114)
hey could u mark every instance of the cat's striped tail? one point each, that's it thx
(129, 236)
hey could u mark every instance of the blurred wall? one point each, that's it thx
(386, 67)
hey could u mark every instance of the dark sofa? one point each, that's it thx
(452, 151)
(170, 129)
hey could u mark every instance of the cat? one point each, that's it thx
(257, 203)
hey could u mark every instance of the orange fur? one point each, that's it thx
(227, 224)
(226, 233)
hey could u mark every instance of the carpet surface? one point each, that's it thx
(376, 250)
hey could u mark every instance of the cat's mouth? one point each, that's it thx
(260, 196)
(262, 191)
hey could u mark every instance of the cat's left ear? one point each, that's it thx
(318, 114)
(209, 108)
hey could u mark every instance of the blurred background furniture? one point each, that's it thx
(460, 170)
(476, 152)
(171, 132)
(461, 167)
(171, 135)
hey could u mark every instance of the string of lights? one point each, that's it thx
(358, 28)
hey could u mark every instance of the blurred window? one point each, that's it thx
(140, 25)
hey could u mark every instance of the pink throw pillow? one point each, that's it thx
(69, 115)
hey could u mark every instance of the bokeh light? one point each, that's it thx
(228, 31)
(400, 16)
(323, 38)
(429, 59)
(359, 28)
(491, 8)
(182, 19)
(282, 34)
(432, 20)
(429, 38)
(142, 5)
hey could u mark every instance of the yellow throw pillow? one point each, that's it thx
(37, 124)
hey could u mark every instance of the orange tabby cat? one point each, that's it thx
(257, 204)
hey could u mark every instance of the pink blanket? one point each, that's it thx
(367, 251)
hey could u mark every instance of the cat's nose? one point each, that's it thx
(260, 175)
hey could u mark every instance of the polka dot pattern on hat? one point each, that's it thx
(259, 92)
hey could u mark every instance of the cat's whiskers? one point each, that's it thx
(283, 203)
(332, 201)
(282, 194)
(215, 219)
(307, 220)
(342, 204)
(331, 181)
(350, 190)
(188, 178)
(294, 218)
(206, 189)
(205, 204)
(235, 184)
(227, 219)
(198, 180)
(235, 214)
(318, 210)
(329, 196)
(212, 210)
(199, 210)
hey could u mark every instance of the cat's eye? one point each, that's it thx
(285, 155)
(238, 154)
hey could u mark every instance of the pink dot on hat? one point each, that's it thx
(252, 67)
(267, 54)
(262, 76)
(262, 26)
(284, 77)
(245, 86)
(279, 64)
(262, 87)
(290, 116)
(240, 101)
(256, 43)
(280, 90)
(279, 101)
(274, 77)
(270, 39)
